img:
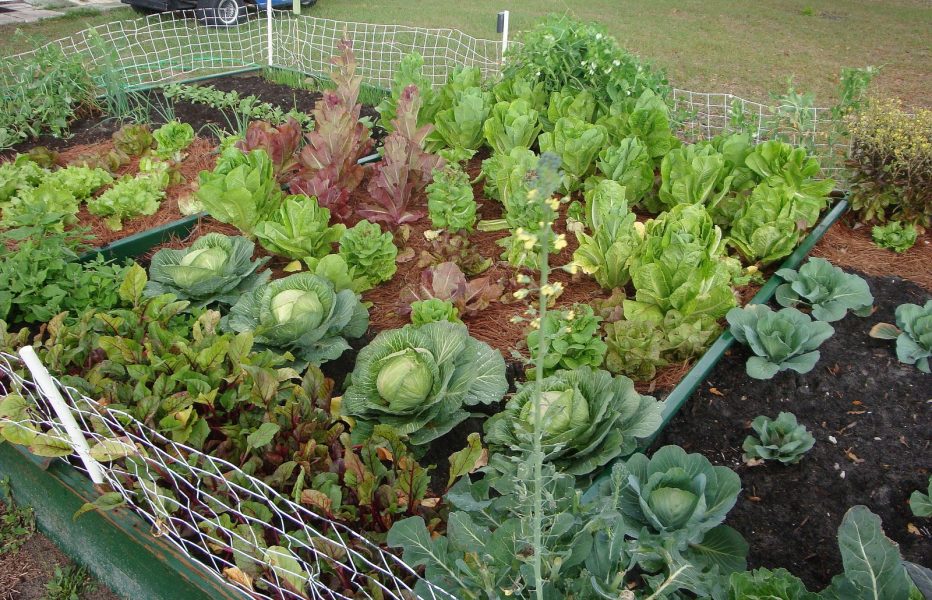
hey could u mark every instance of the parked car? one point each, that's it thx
(216, 13)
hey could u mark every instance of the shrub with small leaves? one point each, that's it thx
(782, 439)
(574, 339)
(369, 251)
(895, 236)
(433, 310)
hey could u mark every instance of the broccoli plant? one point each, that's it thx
(781, 439)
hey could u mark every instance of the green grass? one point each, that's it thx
(69, 583)
(746, 47)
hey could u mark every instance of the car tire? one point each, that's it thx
(221, 13)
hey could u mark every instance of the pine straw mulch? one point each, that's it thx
(199, 157)
(847, 246)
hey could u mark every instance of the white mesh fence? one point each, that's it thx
(216, 513)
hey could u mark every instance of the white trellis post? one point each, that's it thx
(48, 388)
(502, 28)
(268, 27)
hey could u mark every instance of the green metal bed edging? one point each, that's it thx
(116, 546)
(703, 367)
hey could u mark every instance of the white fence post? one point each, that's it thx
(502, 28)
(52, 393)
(268, 27)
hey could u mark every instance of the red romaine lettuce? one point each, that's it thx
(280, 143)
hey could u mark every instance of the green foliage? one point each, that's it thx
(921, 504)
(46, 206)
(768, 225)
(764, 584)
(40, 276)
(433, 310)
(459, 109)
(694, 174)
(455, 248)
(826, 289)
(214, 270)
(417, 380)
(242, 108)
(18, 175)
(569, 103)
(369, 252)
(587, 416)
(69, 583)
(133, 139)
(510, 125)
(577, 143)
(628, 163)
(782, 439)
(450, 201)
(913, 335)
(129, 197)
(334, 268)
(299, 229)
(647, 119)
(171, 139)
(786, 339)
(17, 523)
(573, 339)
(243, 196)
(409, 72)
(300, 314)
(614, 236)
(81, 182)
(895, 236)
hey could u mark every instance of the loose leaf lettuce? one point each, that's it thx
(299, 229)
(245, 196)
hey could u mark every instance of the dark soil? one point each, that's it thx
(878, 411)
(93, 128)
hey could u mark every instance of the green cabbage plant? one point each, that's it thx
(587, 417)
(913, 335)
(782, 439)
(828, 290)
(895, 236)
(302, 315)
(214, 270)
(417, 380)
(614, 237)
(786, 339)
(368, 252)
(682, 499)
(299, 229)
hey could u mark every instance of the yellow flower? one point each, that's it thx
(560, 242)
(520, 294)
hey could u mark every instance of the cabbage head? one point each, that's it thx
(587, 416)
(417, 379)
(302, 315)
(678, 496)
(215, 269)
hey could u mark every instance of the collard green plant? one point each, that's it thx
(574, 339)
(450, 201)
(764, 584)
(433, 310)
(781, 439)
(129, 197)
(418, 379)
(245, 195)
(826, 289)
(510, 125)
(369, 252)
(895, 236)
(629, 164)
(171, 139)
(299, 229)
(214, 270)
(300, 314)
(614, 236)
(913, 335)
(785, 339)
(921, 504)
(588, 418)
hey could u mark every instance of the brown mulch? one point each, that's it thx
(851, 247)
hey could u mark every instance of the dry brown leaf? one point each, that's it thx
(714, 390)
(385, 454)
(236, 575)
(913, 529)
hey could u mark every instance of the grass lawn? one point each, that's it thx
(746, 47)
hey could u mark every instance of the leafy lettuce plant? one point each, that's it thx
(786, 339)
(129, 197)
(171, 139)
(648, 120)
(574, 339)
(569, 102)
(450, 201)
(328, 163)
(826, 289)
(588, 417)
(433, 310)
(693, 174)
(409, 72)
(614, 237)
(302, 315)
(776, 163)
(448, 247)
(47, 206)
(509, 89)
(133, 139)
(764, 584)
(280, 143)
(244, 196)
(577, 143)
(417, 380)
(214, 270)
(81, 182)
(369, 252)
(510, 125)
(299, 229)
(629, 164)
(895, 236)
(913, 334)
(405, 169)
(459, 110)
(447, 282)
(782, 439)
(768, 225)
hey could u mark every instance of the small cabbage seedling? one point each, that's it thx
(781, 439)
(786, 339)
(828, 290)
(921, 504)
(913, 335)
